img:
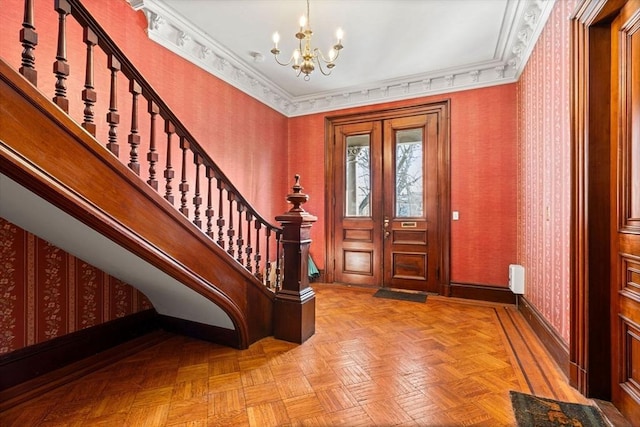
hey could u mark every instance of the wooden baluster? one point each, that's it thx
(89, 95)
(249, 250)
(268, 266)
(197, 200)
(152, 155)
(169, 173)
(60, 66)
(240, 239)
(220, 221)
(29, 40)
(209, 212)
(230, 231)
(278, 262)
(257, 256)
(113, 118)
(134, 138)
(184, 184)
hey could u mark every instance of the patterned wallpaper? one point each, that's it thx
(46, 292)
(544, 163)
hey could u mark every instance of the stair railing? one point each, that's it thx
(172, 157)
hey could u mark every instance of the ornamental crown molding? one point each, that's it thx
(524, 21)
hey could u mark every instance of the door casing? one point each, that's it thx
(595, 268)
(444, 181)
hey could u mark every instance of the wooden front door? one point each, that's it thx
(387, 215)
(410, 221)
(625, 156)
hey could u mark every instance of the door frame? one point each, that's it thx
(592, 198)
(444, 180)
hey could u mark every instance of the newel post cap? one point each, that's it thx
(297, 199)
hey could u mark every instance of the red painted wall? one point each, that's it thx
(233, 127)
(483, 179)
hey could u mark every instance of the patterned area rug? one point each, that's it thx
(533, 411)
(403, 296)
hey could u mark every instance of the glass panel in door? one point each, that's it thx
(409, 173)
(358, 176)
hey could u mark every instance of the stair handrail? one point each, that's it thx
(94, 34)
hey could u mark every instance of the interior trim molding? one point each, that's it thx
(174, 32)
(555, 345)
(30, 371)
(201, 331)
(482, 292)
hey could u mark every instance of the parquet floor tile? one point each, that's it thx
(371, 362)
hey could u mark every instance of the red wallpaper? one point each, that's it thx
(544, 177)
(46, 293)
(234, 128)
(483, 179)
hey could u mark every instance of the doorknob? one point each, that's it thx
(385, 228)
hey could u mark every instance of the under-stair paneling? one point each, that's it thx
(544, 177)
(47, 292)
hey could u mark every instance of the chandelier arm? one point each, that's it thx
(320, 55)
(324, 73)
(284, 64)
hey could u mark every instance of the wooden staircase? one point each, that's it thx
(163, 217)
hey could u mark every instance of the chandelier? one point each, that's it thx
(304, 57)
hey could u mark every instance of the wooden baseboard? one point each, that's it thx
(554, 344)
(215, 334)
(34, 387)
(482, 293)
(30, 362)
(31, 371)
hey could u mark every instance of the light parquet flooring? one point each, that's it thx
(372, 362)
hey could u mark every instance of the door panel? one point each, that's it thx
(625, 36)
(358, 250)
(410, 203)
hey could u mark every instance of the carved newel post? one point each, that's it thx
(295, 306)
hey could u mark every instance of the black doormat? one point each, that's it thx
(402, 296)
(536, 411)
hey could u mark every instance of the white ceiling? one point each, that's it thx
(393, 49)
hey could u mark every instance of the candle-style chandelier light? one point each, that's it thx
(304, 57)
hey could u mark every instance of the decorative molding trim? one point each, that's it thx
(481, 292)
(33, 370)
(523, 24)
(552, 341)
(201, 331)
